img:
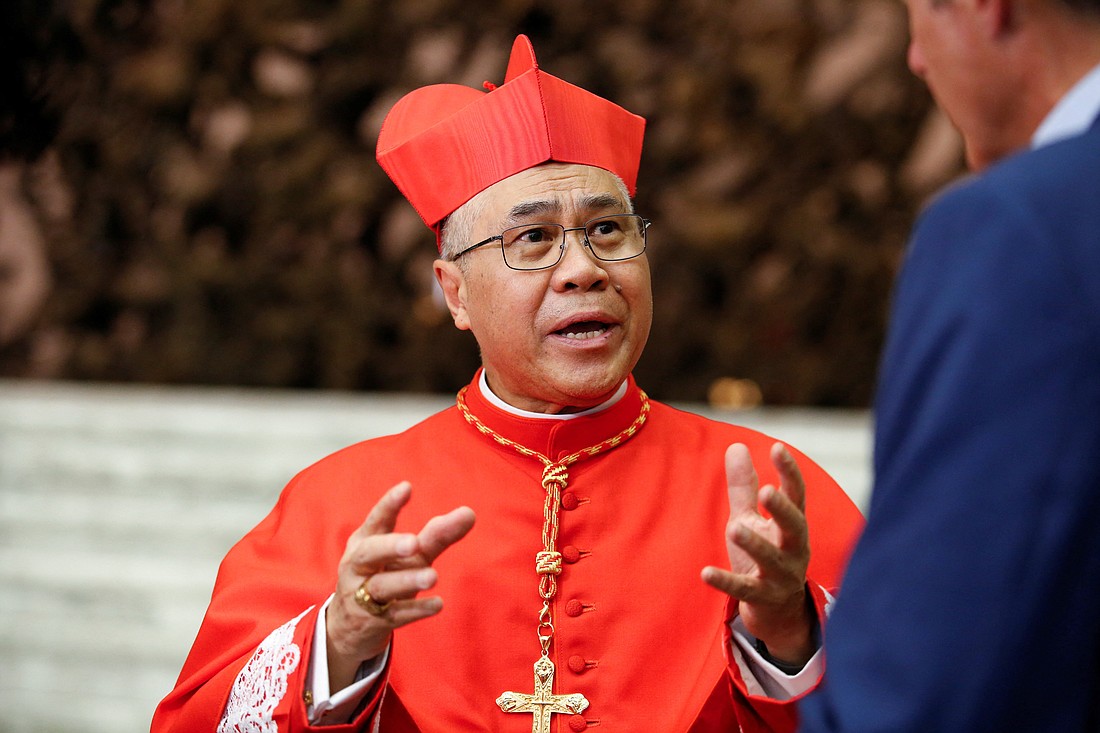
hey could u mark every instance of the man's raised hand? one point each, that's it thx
(393, 568)
(768, 554)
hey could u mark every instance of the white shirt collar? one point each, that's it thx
(483, 385)
(1073, 114)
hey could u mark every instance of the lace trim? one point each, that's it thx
(262, 684)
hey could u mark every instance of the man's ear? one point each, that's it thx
(999, 17)
(452, 282)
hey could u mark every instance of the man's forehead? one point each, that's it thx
(554, 188)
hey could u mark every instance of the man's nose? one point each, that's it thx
(579, 267)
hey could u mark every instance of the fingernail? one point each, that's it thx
(425, 579)
(405, 546)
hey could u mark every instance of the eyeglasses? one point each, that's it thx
(541, 246)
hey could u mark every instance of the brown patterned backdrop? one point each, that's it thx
(208, 209)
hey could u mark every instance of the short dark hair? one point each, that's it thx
(1084, 6)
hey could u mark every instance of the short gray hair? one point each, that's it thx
(458, 228)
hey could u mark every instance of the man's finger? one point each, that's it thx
(741, 587)
(400, 584)
(788, 518)
(741, 480)
(790, 476)
(371, 554)
(444, 530)
(415, 609)
(762, 552)
(383, 517)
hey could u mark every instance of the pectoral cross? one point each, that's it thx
(544, 702)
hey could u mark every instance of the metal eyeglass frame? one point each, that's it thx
(646, 223)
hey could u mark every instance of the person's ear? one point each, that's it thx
(452, 282)
(998, 17)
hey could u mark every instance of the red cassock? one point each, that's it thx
(637, 632)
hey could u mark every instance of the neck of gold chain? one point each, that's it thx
(555, 477)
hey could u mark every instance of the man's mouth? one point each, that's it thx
(583, 330)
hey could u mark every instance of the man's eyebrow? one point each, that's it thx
(549, 208)
(525, 210)
(602, 201)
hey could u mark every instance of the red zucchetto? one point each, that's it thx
(443, 144)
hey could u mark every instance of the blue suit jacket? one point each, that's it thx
(972, 601)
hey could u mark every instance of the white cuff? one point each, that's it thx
(336, 709)
(764, 679)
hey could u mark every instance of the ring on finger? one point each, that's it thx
(368, 604)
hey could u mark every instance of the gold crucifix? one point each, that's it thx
(544, 702)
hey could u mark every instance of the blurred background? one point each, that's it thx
(190, 194)
(207, 283)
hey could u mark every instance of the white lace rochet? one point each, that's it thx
(261, 685)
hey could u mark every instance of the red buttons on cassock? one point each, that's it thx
(569, 501)
(577, 665)
(577, 723)
(574, 608)
(570, 554)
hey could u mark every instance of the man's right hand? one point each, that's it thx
(396, 568)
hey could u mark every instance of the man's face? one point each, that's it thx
(559, 339)
(956, 48)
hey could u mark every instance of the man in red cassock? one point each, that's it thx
(626, 570)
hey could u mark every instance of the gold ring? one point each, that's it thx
(368, 604)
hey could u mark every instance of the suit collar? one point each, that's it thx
(1074, 114)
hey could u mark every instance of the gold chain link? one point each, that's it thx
(555, 477)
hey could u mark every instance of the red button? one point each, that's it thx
(577, 723)
(569, 501)
(574, 608)
(570, 554)
(577, 664)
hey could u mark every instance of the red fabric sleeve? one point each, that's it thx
(758, 714)
(269, 624)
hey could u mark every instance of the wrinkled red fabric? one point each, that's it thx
(648, 640)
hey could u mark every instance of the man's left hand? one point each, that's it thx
(768, 555)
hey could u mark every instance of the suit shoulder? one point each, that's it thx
(1061, 175)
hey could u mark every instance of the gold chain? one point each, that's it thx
(555, 477)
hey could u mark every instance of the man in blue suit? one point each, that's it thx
(972, 602)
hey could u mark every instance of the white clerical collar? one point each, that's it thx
(483, 385)
(1074, 113)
